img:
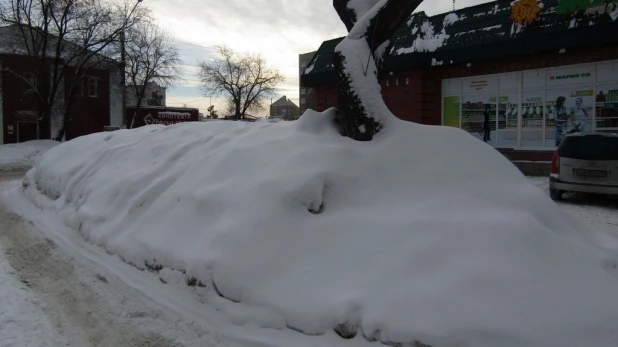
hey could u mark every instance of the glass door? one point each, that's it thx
(473, 117)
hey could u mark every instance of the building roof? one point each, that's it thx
(283, 101)
(484, 32)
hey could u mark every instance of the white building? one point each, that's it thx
(154, 96)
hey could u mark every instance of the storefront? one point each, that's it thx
(524, 113)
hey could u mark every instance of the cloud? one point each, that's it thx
(279, 30)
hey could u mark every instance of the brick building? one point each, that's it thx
(284, 108)
(96, 104)
(307, 94)
(443, 70)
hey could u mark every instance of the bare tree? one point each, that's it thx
(212, 113)
(359, 59)
(245, 79)
(68, 38)
(150, 57)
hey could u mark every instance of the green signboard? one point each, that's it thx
(569, 6)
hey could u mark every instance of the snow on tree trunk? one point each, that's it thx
(370, 23)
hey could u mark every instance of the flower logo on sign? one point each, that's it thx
(526, 11)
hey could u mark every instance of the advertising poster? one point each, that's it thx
(451, 111)
(571, 109)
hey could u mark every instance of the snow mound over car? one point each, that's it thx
(422, 234)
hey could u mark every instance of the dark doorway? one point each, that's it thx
(27, 131)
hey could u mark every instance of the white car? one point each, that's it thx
(585, 163)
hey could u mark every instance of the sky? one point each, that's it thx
(279, 30)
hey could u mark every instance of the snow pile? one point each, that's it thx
(423, 233)
(24, 153)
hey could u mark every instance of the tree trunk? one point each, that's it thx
(140, 97)
(238, 114)
(361, 110)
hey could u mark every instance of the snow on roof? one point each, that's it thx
(451, 37)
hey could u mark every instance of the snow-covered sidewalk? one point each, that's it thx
(21, 156)
(22, 320)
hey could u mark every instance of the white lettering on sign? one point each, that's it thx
(174, 116)
(565, 76)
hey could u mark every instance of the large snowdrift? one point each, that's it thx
(25, 153)
(423, 233)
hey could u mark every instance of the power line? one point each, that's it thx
(186, 102)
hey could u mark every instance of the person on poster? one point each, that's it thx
(561, 116)
(486, 127)
(579, 117)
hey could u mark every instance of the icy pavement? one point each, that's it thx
(599, 213)
(22, 321)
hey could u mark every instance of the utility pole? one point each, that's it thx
(123, 82)
(123, 63)
(453, 5)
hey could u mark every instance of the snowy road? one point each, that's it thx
(55, 296)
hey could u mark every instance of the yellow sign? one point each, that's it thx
(526, 11)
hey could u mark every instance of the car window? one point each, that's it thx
(589, 147)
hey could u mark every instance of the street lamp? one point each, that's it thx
(123, 66)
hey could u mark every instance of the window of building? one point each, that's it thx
(387, 83)
(79, 88)
(397, 81)
(535, 109)
(302, 100)
(93, 87)
(27, 86)
(303, 91)
(407, 80)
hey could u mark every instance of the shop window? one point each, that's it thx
(606, 112)
(93, 87)
(508, 120)
(533, 119)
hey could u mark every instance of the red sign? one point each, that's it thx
(526, 11)
(161, 115)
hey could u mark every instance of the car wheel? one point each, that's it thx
(555, 194)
